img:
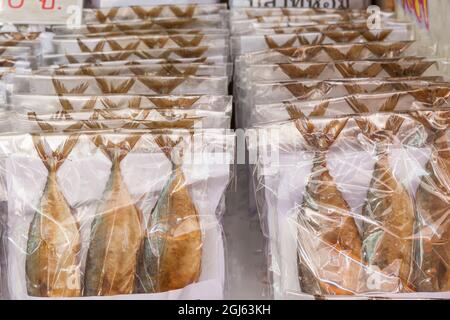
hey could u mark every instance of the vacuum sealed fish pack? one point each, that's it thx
(116, 215)
(355, 206)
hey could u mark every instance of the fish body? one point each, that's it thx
(388, 237)
(433, 207)
(52, 265)
(172, 249)
(116, 236)
(330, 260)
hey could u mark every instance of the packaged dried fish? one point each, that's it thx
(119, 118)
(432, 203)
(388, 243)
(334, 52)
(385, 68)
(50, 104)
(135, 43)
(251, 43)
(85, 85)
(116, 232)
(376, 173)
(428, 98)
(166, 55)
(164, 70)
(111, 203)
(171, 256)
(201, 31)
(331, 260)
(210, 21)
(52, 262)
(121, 14)
(264, 93)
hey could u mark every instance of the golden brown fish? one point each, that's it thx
(116, 232)
(433, 207)
(52, 264)
(389, 233)
(172, 249)
(329, 250)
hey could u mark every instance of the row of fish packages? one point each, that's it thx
(123, 129)
(348, 146)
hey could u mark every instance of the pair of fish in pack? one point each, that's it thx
(334, 259)
(123, 256)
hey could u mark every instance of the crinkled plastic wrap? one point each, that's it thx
(425, 98)
(166, 55)
(141, 43)
(118, 118)
(137, 32)
(121, 14)
(85, 85)
(356, 206)
(212, 21)
(250, 43)
(125, 215)
(52, 103)
(165, 70)
(337, 51)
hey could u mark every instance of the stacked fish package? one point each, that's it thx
(118, 158)
(348, 136)
(19, 52)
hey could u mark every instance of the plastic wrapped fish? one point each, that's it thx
(172, 249)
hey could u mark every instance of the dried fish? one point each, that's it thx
(388, 230)
(329, 251)
(52, 264)
(116, 232)
(172, 249)
(433, 207)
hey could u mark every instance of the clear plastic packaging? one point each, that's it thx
(135, 43)
(206, 31)
(251, 43)
(165, 70)
(69, 193)
(426, 98)
(50, 104)
(31, 121)
(355, 206)
(196, 54)
(334, 52)
(212, 21)
(85, 85)
(121, 14)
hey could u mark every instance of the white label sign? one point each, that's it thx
(326, 4)
(41, 11)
